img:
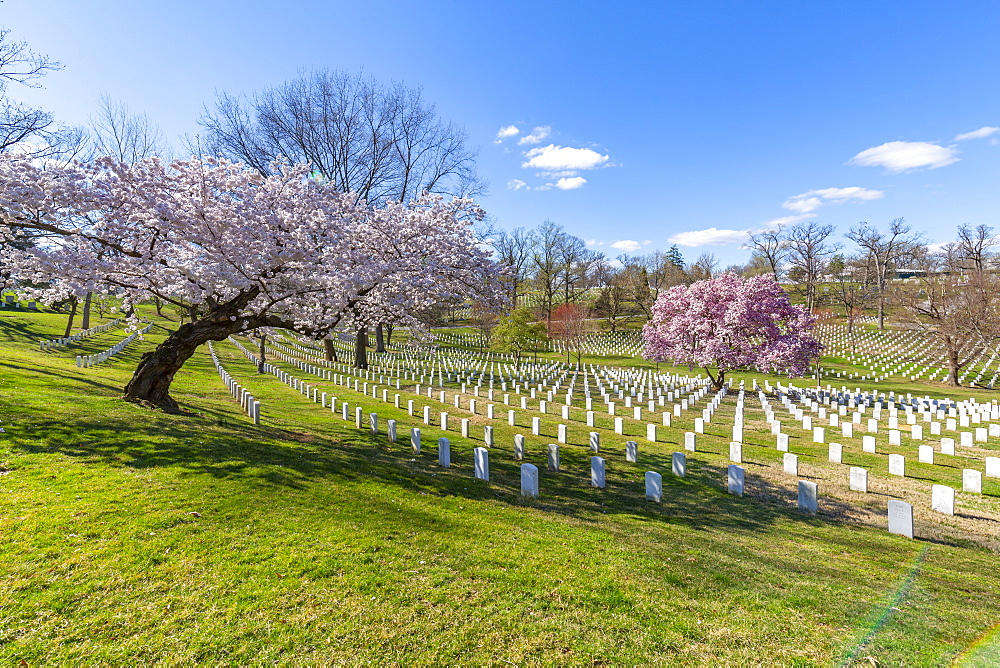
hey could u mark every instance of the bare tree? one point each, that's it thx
(547, 266)
(19, 122)
(514, 251)
(960, 312)
(974, 246)
(706, 266)
(886, 252)
(852, 288)
(615, 291)
(579, 266)
(771, 249)
(122, 134)
(380, 142)
(809, 250)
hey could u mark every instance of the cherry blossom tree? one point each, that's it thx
(239, 249)
(728, 323)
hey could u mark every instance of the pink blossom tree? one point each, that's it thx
(240, 250)
(728, 323)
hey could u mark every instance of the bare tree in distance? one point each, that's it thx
(960, 311)
(770, 247)
(886, 252)
(705, 267)
(126, 136)
(382, 142)
(974, 246)
(513, 251)
(809, 250)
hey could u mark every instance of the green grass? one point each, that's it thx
(131, 536)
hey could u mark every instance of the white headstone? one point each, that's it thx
(482, 463)
(519, 446)
(972, 481)
(736, 452)
(553, 456)
(678, 464)
(868, 443)
(966, 437)
(791, 463)
(819, 435)
(900, 518)
(651, 433)
(529, 481)
(783, 442)
(735, 480)
(836, 454)
(943, 499)
(993, 467)
(925, 454)
(847, 430)
(590, 418)
(391, 428)
(859, 479)
(808, 496)
(488, 436)
(415, 440)
(444, 452)
(595, 441)
(699, 426)
(654, 486)
(597, 471)
(897, 465)
(561, 433)
(631, 451)
(689, 441)
(917, 432)
(947, 446)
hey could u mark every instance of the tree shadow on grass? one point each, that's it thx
(65, 376)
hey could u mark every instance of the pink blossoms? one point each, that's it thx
(729, 323)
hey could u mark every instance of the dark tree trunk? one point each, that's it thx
(953, 368)
(72, 316)
(379, 339)
(86, 311)
(263, 353)
(150, 383)
(159, 306)
(330, 353)
(361, 349)
(388, 334)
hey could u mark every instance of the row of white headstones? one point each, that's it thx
(807, 491)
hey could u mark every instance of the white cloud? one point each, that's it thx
(571, 183)
(647, 242)
(536, 136)
(981, 133)
(554, 158)
(627, 245)
(776, 223)
(710, 237)
(594, 242)
(506, 132)
(517, 184)
(901, 156)
(814, 199)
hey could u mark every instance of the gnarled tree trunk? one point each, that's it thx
(150, 383)
(86, 311)
(329, 352)
(379, 339)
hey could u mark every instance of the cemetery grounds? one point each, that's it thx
(134, 536)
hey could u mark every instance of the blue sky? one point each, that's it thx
(688, 122)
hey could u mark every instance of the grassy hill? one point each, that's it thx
(132, 536)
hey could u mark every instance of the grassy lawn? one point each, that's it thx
(131, 536)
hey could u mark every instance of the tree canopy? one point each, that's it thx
(728, 323)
